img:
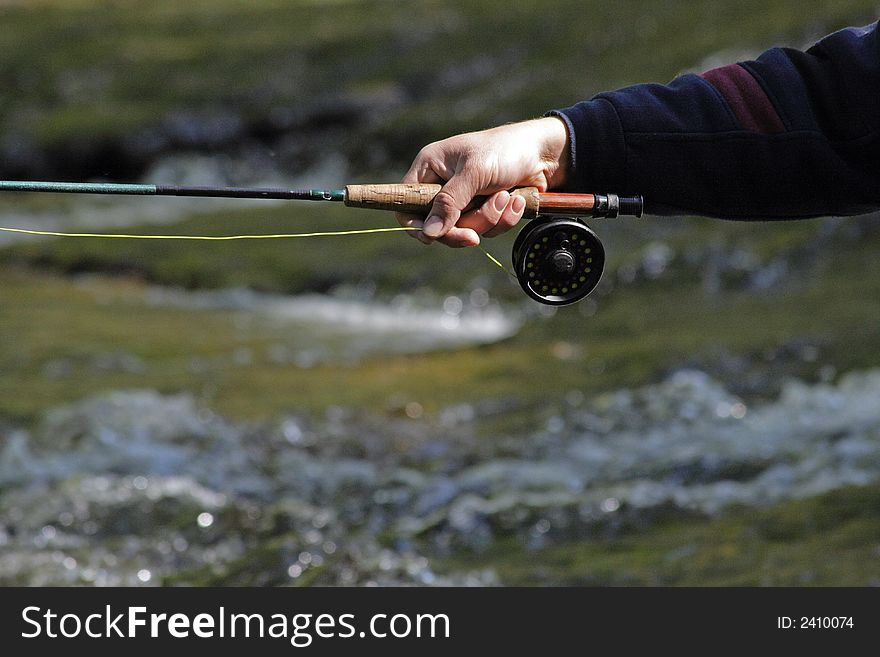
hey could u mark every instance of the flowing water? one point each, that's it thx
(135, 487)
(351, 324)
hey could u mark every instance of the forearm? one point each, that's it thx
(790, 135)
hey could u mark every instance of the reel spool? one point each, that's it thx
(557, 260)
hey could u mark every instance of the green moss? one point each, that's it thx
(93, 71)
(264, 564)
(829, 540)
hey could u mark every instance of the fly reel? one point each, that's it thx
(558, 260)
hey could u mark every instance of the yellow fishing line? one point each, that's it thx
(496, 261)
(360, 231)
(220, 238)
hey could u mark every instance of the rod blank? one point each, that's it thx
(172, 190)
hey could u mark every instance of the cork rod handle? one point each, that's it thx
(416, 198)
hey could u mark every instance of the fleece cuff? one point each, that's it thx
(597, 155)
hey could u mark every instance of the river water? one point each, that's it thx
(135, 487)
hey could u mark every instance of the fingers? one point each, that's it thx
(509, 218)
(487, 215)
(422, 172)
(498, 214)
(452, 198)
(501, 212)
(459, 238)
(413, 221)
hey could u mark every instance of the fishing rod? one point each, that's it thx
(557, 258)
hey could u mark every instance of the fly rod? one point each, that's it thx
(557, 258)
(414, 198)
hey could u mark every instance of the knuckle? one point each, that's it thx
(453, 243)
(490, 214)
(508, 221)
(427, 152)
(445, 200)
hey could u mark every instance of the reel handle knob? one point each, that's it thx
(563, 261)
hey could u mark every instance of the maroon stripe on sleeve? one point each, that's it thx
(748, 101)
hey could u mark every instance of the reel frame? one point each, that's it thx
(558, 260)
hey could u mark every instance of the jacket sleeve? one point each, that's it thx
(792, 134)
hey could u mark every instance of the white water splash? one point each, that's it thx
(328, 328)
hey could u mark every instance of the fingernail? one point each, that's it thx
(519, 204)
(501, 200)
(433, 226)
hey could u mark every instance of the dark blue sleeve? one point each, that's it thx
(792, 134)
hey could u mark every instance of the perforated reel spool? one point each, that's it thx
(557, 260)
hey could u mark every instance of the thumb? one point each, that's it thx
(455, 195)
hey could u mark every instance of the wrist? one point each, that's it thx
(554, 150)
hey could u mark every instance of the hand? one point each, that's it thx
(486, 163)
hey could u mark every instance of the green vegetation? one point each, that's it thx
(76, 72)
(829, 540)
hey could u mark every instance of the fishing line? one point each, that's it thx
(496, 261)
(222, 238)
(359, 231)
